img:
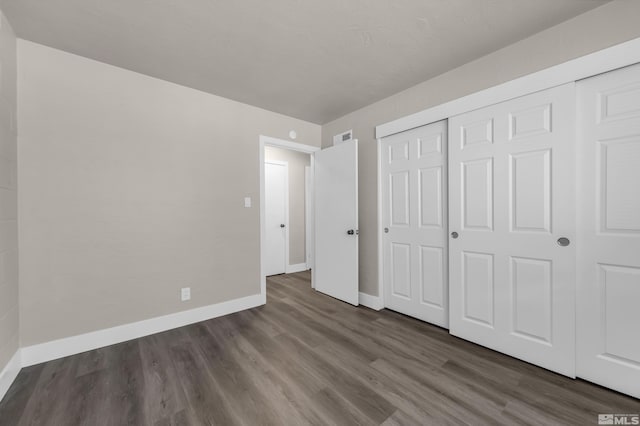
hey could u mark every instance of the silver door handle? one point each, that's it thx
(563, 241)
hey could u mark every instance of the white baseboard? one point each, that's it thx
(55, 349)
(298, 267)
(373, 302)
(9, 373)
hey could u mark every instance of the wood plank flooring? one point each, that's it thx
(304, 358)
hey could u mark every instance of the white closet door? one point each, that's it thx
(414, 182)
(609, 222)
(512, 201)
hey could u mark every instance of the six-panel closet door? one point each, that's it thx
(521, 278)
(512, 225)
(414, 216)
(608, 308)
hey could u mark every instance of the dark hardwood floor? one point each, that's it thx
(304, 358)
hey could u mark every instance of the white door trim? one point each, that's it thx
(609, 59)
(308, 216)
(380, 231)
(279, 143)
(372, 302)
(297, 267)
(284, 164)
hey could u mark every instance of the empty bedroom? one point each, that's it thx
(296, 212)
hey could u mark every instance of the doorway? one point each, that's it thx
(284, 187)
(286, 210)
(334, 214)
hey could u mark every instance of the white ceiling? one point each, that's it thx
(312, 59)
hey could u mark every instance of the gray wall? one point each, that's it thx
(605, 26)
(131, 188)
(297, 162)
(9, 335)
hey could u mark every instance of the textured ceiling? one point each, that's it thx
(312, 59)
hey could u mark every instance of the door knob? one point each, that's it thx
(351, 232)
(386, 230)
(282, 225)
(563, 241)
(454, 235)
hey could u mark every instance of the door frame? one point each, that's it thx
(284, 164)
(293, 146)
(308, 216)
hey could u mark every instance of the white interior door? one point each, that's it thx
(608, 304)
(276, 191)
(336, 220)
(414, 200)
(512, 199)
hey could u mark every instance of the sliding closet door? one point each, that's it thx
(414, 216)
(511, 216)
(609, 223)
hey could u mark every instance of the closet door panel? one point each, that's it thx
(608, 336)
(512, 197)
(414, 199)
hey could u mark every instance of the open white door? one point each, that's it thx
(336, 192)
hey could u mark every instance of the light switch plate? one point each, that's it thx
(185, 294)
(247, 201)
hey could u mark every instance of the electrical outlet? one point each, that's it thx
(185, 294)
(247, 202)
